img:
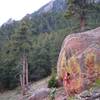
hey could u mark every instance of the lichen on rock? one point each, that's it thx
(79, 60)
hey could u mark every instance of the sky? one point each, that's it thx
(16, 9)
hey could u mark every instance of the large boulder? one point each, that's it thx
(79, 60)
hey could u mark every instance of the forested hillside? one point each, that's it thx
(40, 38)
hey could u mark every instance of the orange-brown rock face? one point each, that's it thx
(79, 60)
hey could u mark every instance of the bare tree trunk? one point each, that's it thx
(82, 23)
(21, 83)
(24, 77)
(23, 59)
(26, 72)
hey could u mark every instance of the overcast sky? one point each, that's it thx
(16, 9)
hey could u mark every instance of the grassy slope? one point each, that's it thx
(15, 94)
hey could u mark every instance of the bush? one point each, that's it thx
(52, 93)
(52, 83)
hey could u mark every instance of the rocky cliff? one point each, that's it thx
(53, 6)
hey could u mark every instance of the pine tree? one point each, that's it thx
(80, 8)
(21, 43)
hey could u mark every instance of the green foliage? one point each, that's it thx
(52, 93)
(80, 9)
(52, 83)
(40, 38)
(71, 98)
(43, 54)
(97, 82)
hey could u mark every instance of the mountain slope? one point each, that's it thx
(46, 19)
(53, 6)
(50, 18)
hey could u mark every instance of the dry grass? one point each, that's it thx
(10, 95)
(15, 94)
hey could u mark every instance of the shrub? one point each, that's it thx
(52, 83)
(52, 93)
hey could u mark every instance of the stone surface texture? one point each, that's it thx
(79, 60)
